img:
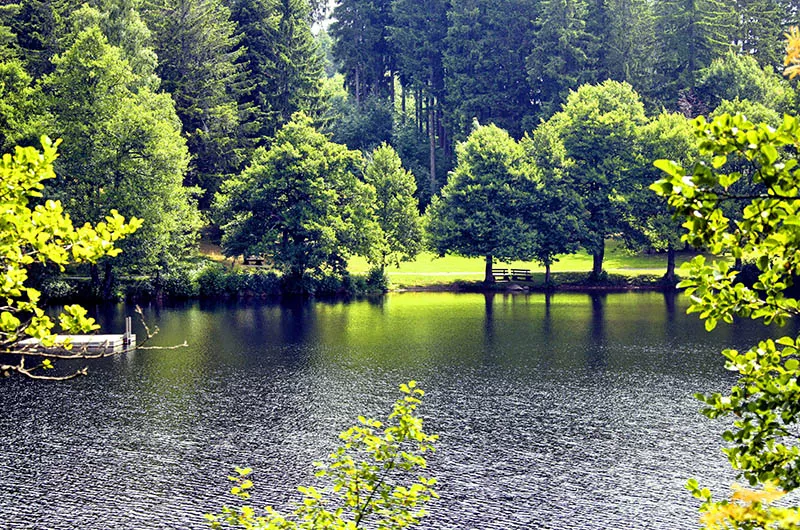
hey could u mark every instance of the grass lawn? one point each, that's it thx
(429, 269)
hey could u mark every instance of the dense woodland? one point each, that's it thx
(519, 129)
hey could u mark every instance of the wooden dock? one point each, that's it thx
(108, 343)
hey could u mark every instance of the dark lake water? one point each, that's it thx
(573, 411)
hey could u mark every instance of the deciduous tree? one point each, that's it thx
(479, 211)
(124, 152)
(300, 203)
(396, 208)
(42, 234)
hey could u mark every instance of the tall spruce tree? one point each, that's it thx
(196, 42)
(558, 61)
(485, 71)
(758, 30)
(284, 65)
(38, 26)
(690, 34)
(361, 46)
(418, 36)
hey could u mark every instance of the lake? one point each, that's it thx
(563, 411)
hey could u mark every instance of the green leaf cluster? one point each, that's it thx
(373, 479)
(764, 402)
(42, 233)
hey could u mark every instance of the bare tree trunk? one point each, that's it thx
(547, 273)
(488, 278)
(432, 144)
(597, 261)
(670, 276)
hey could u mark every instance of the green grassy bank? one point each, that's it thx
(431, 271)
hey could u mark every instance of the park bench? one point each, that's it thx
(254, 260)
(501, 275)
(521, 275)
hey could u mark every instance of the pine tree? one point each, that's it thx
(418, 35)
(197, 44)
(758, 31)
(485, 69)
(38, 26)
(361, 30)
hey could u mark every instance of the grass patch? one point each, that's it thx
(431, 270)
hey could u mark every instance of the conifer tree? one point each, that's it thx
(360, 31)
(485, 71)
(196, 44)
(690, 34)
(558, 61)
(284, 66)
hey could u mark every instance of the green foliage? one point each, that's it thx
(19, 112)
(739, 77)
(42, 234)
(668, 135)
(558, 60)
(762, 446)
(372, 479)
(202, 75)
(124, 150)
(486, 76)
(283, 64)
(300, 203)
(361, 47)
(363, 126)
(598, 128)
(691, 34)
(479, 210)
(396, 209)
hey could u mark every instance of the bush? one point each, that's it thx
(58, 289)
(377, 281)
(180, 283)
(212, 281)
(263, 283)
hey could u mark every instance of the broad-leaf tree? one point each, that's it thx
(667, 136)
(43, 234)
(300, 203)
(373, 480)
(396, 208)
(479, 211)
(762, 404)
(598, 127)
(123, 150)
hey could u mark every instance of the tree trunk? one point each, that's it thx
(432, 144)
(670, 276)
(547, 274)
(403, 102)
(95, 274)
(108, 281)
(597, 261)
(488, 278)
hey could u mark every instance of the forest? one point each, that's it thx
(522, 129)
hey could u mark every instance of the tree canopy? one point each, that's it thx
(300, 203)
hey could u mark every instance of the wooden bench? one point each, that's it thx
(523, 275)
(501, 275)
(254, 260)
